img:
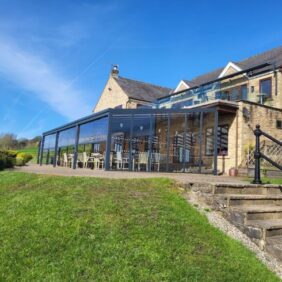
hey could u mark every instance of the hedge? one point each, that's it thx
(10, 158)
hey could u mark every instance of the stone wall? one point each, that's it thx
(258, 114)
(111, 97)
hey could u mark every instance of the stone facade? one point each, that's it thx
(112, 96)
(240, 134)
(253, 86)
(240, 125)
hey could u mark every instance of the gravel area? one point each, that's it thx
(218, 221)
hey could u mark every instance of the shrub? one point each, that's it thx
(11, 153)
(25, 156)
(7, 159)
(3, 161)
(20, 161)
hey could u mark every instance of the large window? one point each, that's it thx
(92, 144)
(48, 156)
(222, 141)
(141, 142)
(120, 142)
(66, 147)
(176, 142)
(265, 87)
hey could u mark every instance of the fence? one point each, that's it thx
(259, 155)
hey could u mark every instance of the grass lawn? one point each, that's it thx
(272, 180)
(71, 228)
(268, 180)
(32, 151)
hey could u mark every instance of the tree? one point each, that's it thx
(8, 141)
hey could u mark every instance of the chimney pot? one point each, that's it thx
(115, 71)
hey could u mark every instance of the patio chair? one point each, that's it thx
(156, 160)
(65, 159)
(143, 160)
(70, 159)
(119, 160)
(84, 160)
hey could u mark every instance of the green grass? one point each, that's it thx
(268, 180)
(272, 180)
(32, 151)
(77, 229)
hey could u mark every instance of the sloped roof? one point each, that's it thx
(271, 56)
(141, 90)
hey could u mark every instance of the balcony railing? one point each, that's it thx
(189, 98)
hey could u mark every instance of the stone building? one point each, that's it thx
(204, 125)
(125, 93)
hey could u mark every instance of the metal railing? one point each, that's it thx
(258, 154)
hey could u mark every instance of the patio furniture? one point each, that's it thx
(70, 159)
(85, 160)
(121, 160)
(156, 159)
(65, 159)
(143, 160)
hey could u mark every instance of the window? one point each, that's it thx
(222, 141)
(244, 92)
(279, 124)
(265, 87)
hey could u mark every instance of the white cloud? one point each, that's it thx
(35, 75)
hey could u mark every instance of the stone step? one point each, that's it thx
(270, 227)
(227, 200)
(274, 246)
(266, 189)
(250, 220)
(255, 212)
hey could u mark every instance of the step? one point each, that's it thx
(257, 222)
(228, 200)
(270, 227)
(274, 246)
(241, 214)
(265, 189)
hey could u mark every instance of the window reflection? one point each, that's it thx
(48, 153)
(92, 144)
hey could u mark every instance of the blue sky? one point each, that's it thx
(55, 56)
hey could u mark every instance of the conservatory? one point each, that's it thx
(160, 140)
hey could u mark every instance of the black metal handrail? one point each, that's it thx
(258, 154)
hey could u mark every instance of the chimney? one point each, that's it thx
(115, 71)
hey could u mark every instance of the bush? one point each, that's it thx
(11, 153)
(7, 159)
(26, 157)
(3, 161)
(10, 158)
(20, 161)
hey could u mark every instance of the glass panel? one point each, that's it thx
(92, 144)
(265, 87)
(159, 143)
(48, 156)
(66, 145)
(192, 143)
(176, 142)
(244, 92)
(235, 94)
(140, 142)
(222, 141)
(120, 142)
(207, 143)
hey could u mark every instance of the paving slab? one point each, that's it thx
(180, 177)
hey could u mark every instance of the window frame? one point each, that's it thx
(279, 121)
(263, 80)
